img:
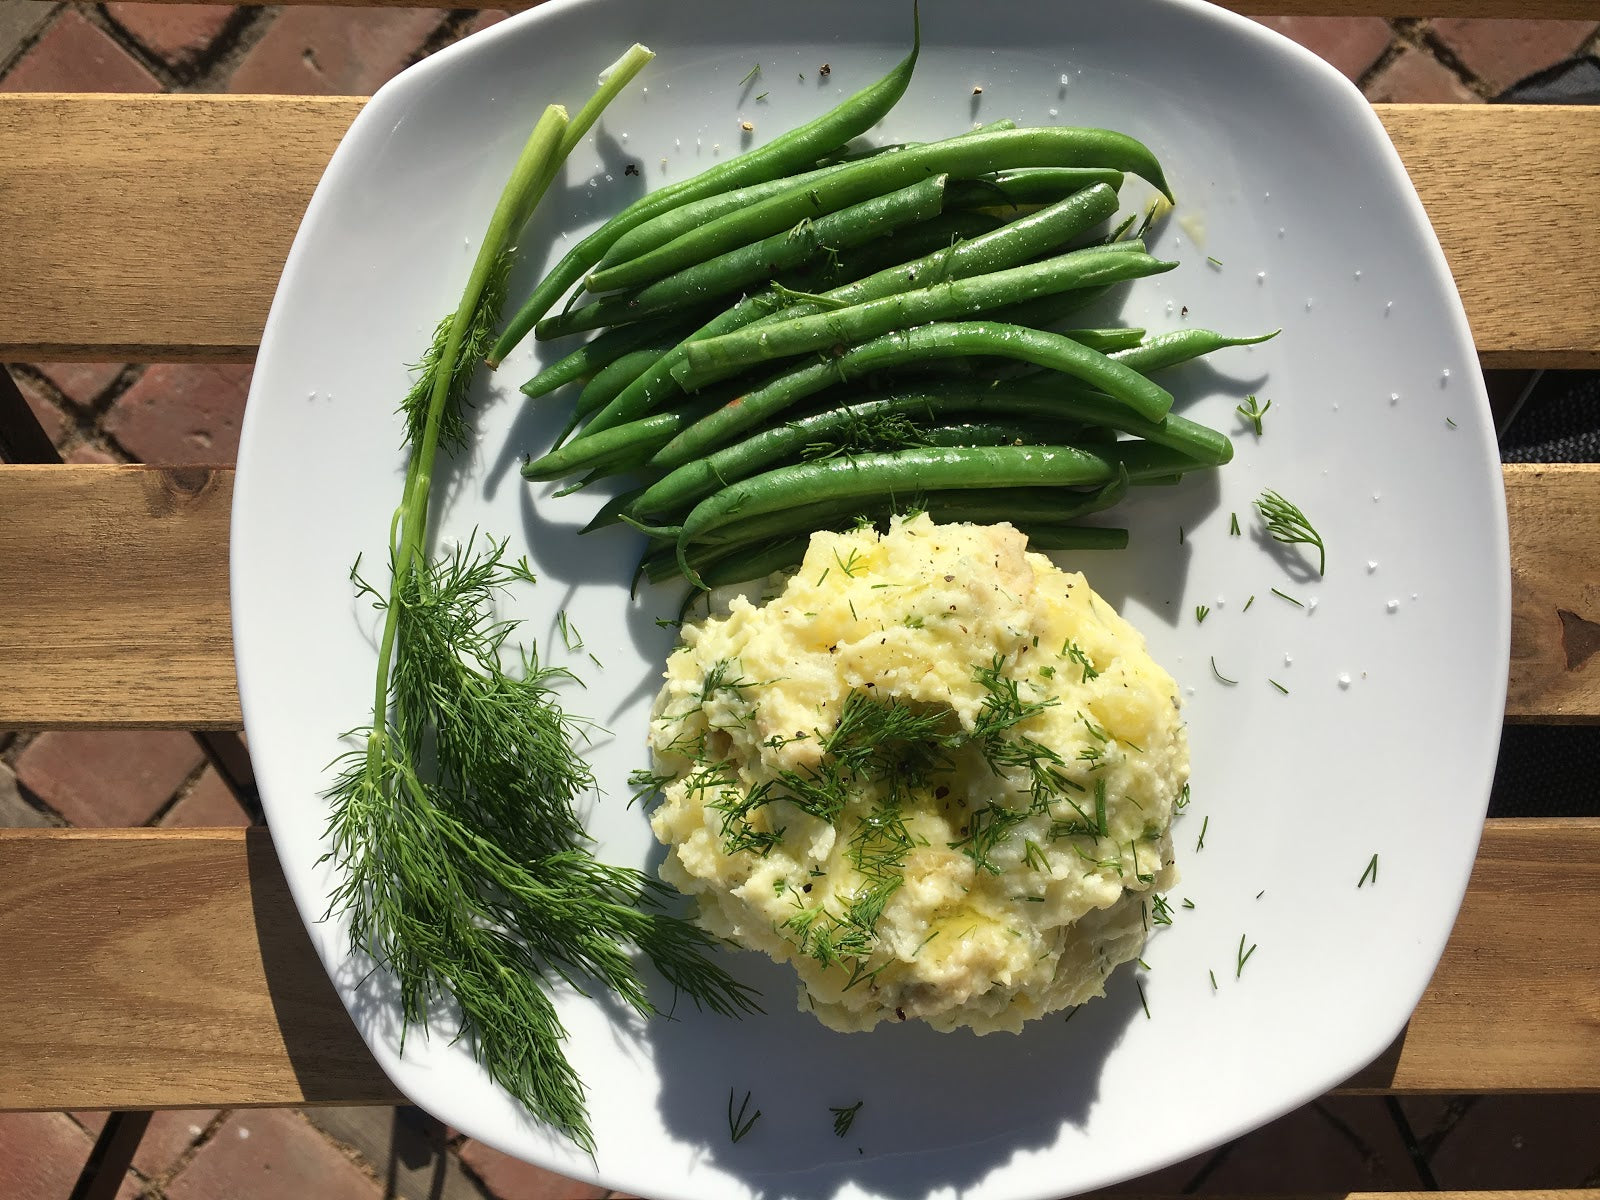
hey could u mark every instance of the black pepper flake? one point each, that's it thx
(940, 792)
(1184, 311)
(631, 169)
(825, 70)
(900, 1014)
(949, 578)
(807, 888)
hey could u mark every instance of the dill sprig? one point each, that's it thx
(1287, 524)
(1252, 410)
(843, 1118)
(738, 1123)
(466, 873)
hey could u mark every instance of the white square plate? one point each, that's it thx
(1395, 665)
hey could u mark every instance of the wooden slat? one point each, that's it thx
(1555, 592)
(166, 969)
(115, 610)
(114, 598)
(155, 227)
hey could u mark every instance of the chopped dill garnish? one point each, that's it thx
(843, 1118)
(1286, 596)
(1201, 612)
(1252, 411)
(1370, 873)
(595, 660)
(1180, 535)
(1278, 685)
(763, 96)
(1188, 903)
(753, 72)
(666, 623)
(1200, 844)
(1142, 1002)
(1213, 975)
(1215, 262)
(1450, 423)
(1182, 802)
(1070, 649)
(570, 637)
(1160, 910)
(1221, 678)
(1247, 604)
(1233, 524)
(1287, 524)
(848, 566)
(1244, 956)
(738, 1125)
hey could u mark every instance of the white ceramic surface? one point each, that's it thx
(1395, 666)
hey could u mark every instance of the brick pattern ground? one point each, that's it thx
(114, 412)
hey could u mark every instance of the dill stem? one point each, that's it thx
(612, 80)
(530, 178)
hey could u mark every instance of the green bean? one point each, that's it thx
(789, 152)
(618, 374)
(606, 349)
(700, 476)
(905, 245)
(663, 228)
(847, 155)
(656, 384)
(1170, 349)
(1009, 245)
(619, 445)
(660, 230)
(1015, 243)
(1031, 185)
(1038, 507)
(944, 339)
(738, 268)
(718, 358)
(611, 511)
(872, 475)
(961, 157)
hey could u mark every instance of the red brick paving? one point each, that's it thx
(82, 383)
(1352, 44)
(1502, 52)
(208, 805)
(75, 56)
(182, 414)
(177, 34)
(1416, 77)
(507, 1178)
(86, 452)
(335, 51)
(55, 423)
(41, 1155)
(15, 811)
(114, 779)
(166, 1140)
(270, 1154)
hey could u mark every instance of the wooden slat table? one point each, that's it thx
(114, 610)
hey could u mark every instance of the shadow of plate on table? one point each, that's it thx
(937, 1110)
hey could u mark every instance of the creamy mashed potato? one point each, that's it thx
(936, 773)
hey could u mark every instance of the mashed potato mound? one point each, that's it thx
(937, 774)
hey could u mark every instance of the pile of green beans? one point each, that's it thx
(809, 335)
